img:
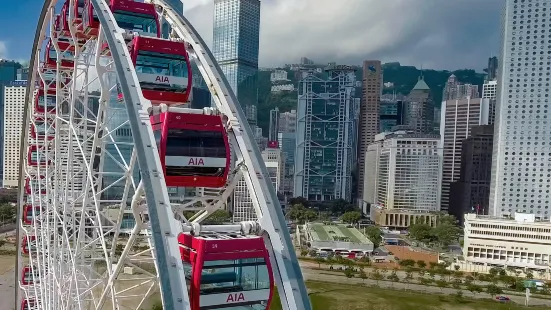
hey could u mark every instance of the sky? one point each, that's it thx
(433, 34)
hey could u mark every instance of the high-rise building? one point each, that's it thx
(177, 6)
(325, 142)
(450, 89)
(492, 69)
(287, 143)
(390, 114)
(471, 192)
(235, 47)
(8, 74)
(274, 129)
(288, 121)
(467, 91)
(419, 108)
(522, 132)
(408, 176)
(489, 91)
(458, 117)
(274, 163)
(372, 89)
(437, 119)
(14, 105)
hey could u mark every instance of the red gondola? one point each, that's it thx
(27, 275)
(45, 101)
(34, 184)
(27, 245)
(28, 304)
(90, 21)
(28, 217)
(163, 69)
(193, 147)
(40, 127)
(36, 157)
(230, 270)
(134, 16)
(67, 55)
(78, 11)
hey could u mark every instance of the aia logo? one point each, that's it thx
(196, 162)
(162, 79)
(235, 297)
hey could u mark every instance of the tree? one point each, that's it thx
(493, 290)
(218, 217)
(348, 272)
(393, 276)
(407, 263)
(362, 274)
(421, 232)
(299, 201)
(441, 284)
(2, 242)
(376, 275)
(473, 288)
(459, 295)
(421, 264)
(158, 305)
(375, 235)
(303, 252)
(301, 215)
(351, 217)
(313, 253)
(320, 260)
(456, 267)
(469, 279)
(456, 283)
(408, 278)
(341, 206)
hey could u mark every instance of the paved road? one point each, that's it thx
(7, 291)
(310, 274)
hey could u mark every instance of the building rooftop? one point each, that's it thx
(334, 232)
(520, 218)
(421, 85)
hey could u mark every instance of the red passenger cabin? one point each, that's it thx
(35, 185)
(67, 55)
(163, 69)
(133, 17)
(37, 157)
(193, 148)
(226, 270)
(28, 244)
(28, 304)
(40, 128)
(90, 20)
(45, 101)
(27, 276)
(28, 216)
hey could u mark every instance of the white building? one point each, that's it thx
(14, 104)
(282, 87)
(278, 76)
(409, 171)
(273, 160)
(522, 134)
(489, 90)
(370, 176)
(522, 241)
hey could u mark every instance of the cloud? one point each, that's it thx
(430, 33)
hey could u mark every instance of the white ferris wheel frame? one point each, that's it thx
(75, 139)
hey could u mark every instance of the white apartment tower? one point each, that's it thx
(273, 160)
(14, 104)
(489, 91)
(521, 166)
(409, 171)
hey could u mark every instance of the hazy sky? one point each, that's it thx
(439, 34)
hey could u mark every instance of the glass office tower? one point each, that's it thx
(235, 47)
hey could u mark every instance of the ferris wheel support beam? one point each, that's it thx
(43, 20)
(288, 276)
(164, 227)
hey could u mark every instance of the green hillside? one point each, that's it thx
(403, 77)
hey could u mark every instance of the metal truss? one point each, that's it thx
(82, 248)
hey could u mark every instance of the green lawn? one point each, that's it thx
(332, 296)
(320, 231)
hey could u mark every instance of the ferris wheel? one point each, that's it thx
(109, 131)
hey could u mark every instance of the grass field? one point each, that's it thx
(331, 296)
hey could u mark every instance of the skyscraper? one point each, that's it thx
(14, 104)
(274, 129)
(235, 47)
(521, 166)
(419, 108)
(8, 74)
(325, 135)
(372, 89)
(492, 68)
(459, 116)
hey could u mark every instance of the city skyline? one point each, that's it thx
(350, 43)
